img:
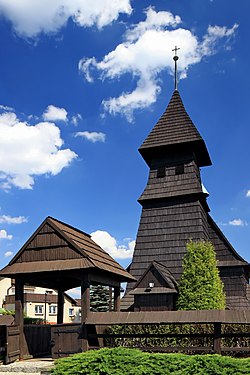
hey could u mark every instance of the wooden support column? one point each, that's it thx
(85, 308)
(60, 306)
(19, 299)
(110, 298)
(85, 299)
(117, 298)
(217, 338)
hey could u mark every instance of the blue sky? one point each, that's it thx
(82, 83)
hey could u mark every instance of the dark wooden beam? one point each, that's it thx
(110, 298)
(60, 306)
(104, 279)
(85, 299)
(117, 298)
(19, 299)
(217, 338)
(85, 309)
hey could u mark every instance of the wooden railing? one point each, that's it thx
(216, 339)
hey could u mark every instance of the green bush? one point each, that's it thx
(175, 329)
(200, 286)
(123, 361)
(161, 329)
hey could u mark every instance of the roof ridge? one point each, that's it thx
(68, 225)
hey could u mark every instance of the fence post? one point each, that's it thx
(19, 298)
(217, 338)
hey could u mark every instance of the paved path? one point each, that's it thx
(31, 366)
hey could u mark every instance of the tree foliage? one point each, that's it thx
(200, 285)
(99, 298)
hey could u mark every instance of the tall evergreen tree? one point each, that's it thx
(99, 298)
(200, 285)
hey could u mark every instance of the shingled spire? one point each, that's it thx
(174, 131)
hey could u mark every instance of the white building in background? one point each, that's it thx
(39, 302)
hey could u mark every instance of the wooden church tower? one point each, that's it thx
(174, 210)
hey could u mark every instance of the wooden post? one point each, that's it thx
(85, 299)
(117, 298)
(85, 308)
(19, 313)
(217, 338)
(110, 298)
(60, 306)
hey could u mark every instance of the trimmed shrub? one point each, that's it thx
(200, 285)
(122, 361)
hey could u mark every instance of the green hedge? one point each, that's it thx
(123, 361)
(148, 342)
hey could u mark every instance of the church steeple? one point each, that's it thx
(173, 132)
(174, 210)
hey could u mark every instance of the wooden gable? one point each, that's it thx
(46, 245)
(56, 246)
(158, 275)
(155, 290)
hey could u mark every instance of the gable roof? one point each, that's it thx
(57, 246)
(226, 254)
(163, 271)
(175, 128)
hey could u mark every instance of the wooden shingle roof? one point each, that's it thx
(175, 128)
(57, 246)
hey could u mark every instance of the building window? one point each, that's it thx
(52, 309)
(38, 309)
(161, 172)
(71, 312)
(179, 169)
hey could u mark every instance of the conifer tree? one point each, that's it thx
(200, 285)
(99, 298)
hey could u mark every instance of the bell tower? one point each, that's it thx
(174, 210)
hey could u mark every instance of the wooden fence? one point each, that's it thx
(221, 331)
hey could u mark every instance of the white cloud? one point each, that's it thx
(75, 119)
(146, 51)
(5, 235)
(53, 113)
(109, 244)
(30, 18)
(13, 219)
(6, 108)
(238, 223)
(248, 194)
(92, 136)
(28, 151)
(8, 254)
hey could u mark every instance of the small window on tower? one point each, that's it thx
(161, 172)
(179, 169)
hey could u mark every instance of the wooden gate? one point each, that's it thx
(12, 350)
(66, 339)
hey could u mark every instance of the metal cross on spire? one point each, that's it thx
(175, 58)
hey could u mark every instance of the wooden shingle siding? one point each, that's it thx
(172, 185)
(47, 254)
(155, 302)
(163, 234)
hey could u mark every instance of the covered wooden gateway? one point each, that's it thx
(61, 257)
